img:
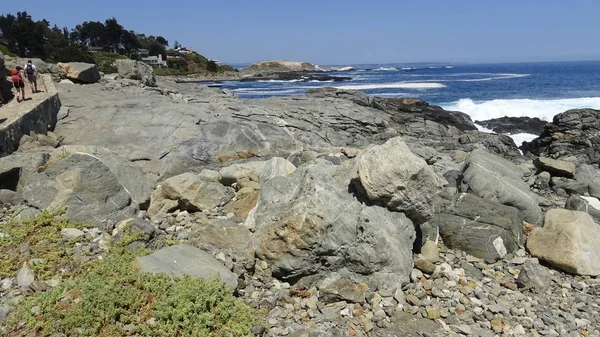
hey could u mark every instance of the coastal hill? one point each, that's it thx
(334, 213)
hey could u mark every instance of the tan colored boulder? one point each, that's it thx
(569, 241)
(81, 72)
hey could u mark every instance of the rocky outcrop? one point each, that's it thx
(513, 125)
(573, 133)
(392, 176)
(189, 192)
(180, 260)
(569, 241)
(309, 223)
(293, 76)
(83, 186)
(81, 72)
(480, 227)
(136, 70)
(496, 179)
(279, 66)
(255, 171)
(589, 205)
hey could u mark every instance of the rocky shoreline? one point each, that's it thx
(332, 214)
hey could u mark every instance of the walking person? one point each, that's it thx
(31, 75)
(18, 83)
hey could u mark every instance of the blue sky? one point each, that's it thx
(351, 31)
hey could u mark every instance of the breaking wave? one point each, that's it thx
(397, 85)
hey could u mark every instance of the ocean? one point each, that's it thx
(483, 91)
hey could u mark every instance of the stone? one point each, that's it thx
(189, 192)
(342, 290)
(259, 171)
(71, 233)
(557, 168)
(393, 176)
(81, 72)
(533, 276)
(496, 179)
(85, 187)
(480, 227)
(430, 251)
(589, 205)
(136, 70)
(425, 266)
(303, 218)
(569, 241)
(25, 276)
(184, 259)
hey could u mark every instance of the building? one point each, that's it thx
(94, 50)
(142, 52)
(174, 55)
(155, 61)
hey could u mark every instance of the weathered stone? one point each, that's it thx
(190, 192)
(85, 187)
(430, 251)
(589, 205)
(308, 223)
(136, 70)
(184, 259)
(342, 290)
(259, 171)
(25, 276)
(71, 233)
(569, 240)
(425, 266)
(496, 179)
(480, 227)
(558, 168)
(534, 276)
(81, 72)
(394, 177)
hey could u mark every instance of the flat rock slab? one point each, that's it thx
(557, 168)
(180, 260)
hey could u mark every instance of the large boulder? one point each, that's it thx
(557, 168)
(391, 175)
(85, 187)
(569, 241)
(81, 72)
(573, 133)
(258, 171)
(496, 179)
(310, 223)
(136, 70)
(190, 192)
(180, 260)
(482, 228)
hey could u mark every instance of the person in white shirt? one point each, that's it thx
(31, 75)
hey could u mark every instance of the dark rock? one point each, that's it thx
(572, 133)
(513, 125)
(589, 205)
(557, 168)
(534, 276)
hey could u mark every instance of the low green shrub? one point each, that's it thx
(4, 49)
(104, 61)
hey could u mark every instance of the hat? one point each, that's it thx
(14, 72)
(19, 68)
(29, 61)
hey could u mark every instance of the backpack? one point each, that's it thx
(29, 69)
(16, 77)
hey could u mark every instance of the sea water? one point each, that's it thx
(483, 91)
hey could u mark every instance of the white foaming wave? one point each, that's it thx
(387, 69)
(519, 138)
(448, 67)
(267, 92)
(499, 77)
(397, 85)
(542, 109)
(317, 81)
(279, 81)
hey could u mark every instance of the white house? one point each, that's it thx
(155, 61)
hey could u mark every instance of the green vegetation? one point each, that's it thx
(4, 50)
(109, 297)
(104, 61)
(42, 236)
(188, 64)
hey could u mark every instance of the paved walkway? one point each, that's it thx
(13, 110)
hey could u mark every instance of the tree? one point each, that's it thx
(162, 41)
(114, 32)
(176, 45)
(212, 66)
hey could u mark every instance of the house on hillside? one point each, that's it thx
(142, 52)
(95, 50)
(173, 55)
(155, 61)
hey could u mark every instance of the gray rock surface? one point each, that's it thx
(392, 176)
(256, 170)
(496, 179)
(81, 72)
(308, 223)
(85, 187)
(558, 168)
(184, 259)
(480, 227)
(569, 241)
(533, 276)
(136, 70)
(589, 205)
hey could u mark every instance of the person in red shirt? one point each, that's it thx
(18, 83)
